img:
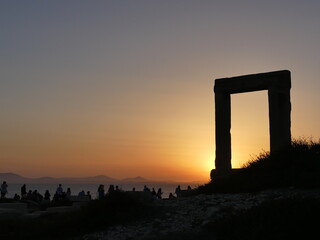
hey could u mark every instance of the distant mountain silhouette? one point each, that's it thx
(99, 179)
(11, 177)
(15, 178)
(136, 179)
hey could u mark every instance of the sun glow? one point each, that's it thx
(249, 130)
(115, 94)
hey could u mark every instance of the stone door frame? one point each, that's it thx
(278, 85)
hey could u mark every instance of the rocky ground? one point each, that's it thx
(192, 214)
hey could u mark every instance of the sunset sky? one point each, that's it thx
(125, 88)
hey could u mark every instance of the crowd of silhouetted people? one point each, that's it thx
(155, 194)
(34, 195)
(61, 195)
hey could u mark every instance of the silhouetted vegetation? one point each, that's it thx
(297, 166)
(117, 208)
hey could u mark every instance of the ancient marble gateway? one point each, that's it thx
(278, 85)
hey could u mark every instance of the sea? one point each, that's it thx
(166, 188)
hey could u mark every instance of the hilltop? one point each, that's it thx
(296, 166)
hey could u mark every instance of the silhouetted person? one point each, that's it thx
(68, 193)
(111, 189)
(88, 194)
(36, 196)
(23, 191)
(59, 191)
(4, 189)
(146, 189)
(81, 194)
(60, 195)
(133, 189)
(171, 196)
(29, 195)
(159, 193)
(189, 188)
(47, 195)
(153, 193)
(178, 191)
(16, 197)
(101, 192)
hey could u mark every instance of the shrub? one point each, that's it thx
(295, 166)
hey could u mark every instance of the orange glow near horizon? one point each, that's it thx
(167, 148)
(249, 130)
(125, 88)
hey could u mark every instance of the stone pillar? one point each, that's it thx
(279, 117)
(223, 135)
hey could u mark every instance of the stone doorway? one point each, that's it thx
(278, 85)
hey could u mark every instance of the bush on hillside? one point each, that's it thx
(295, 166)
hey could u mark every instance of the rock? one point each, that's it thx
(192, 214)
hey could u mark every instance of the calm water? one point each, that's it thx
(76, 188)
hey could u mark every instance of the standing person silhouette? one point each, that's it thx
(59, 192)
(23, 191)
(101, 192)
(178, 191)
(47, 195)
(4, 189)
(154, 194)
(159, 193)
(68, 193)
